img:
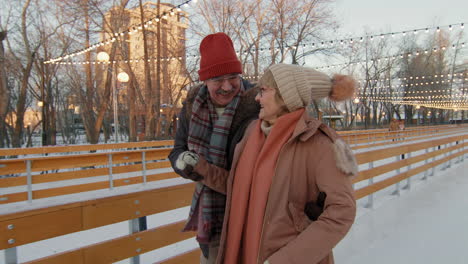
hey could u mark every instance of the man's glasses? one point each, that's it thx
(231, 78)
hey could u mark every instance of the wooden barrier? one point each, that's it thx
(150, 158)
(39, 224)
(69, 218)
(83, 148)
(352, 137)
(372, 156)
(387, 138)
(122, 247)
(64, 219)
(379, 135)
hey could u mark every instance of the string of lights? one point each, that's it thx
(322, 44)
(129, 31)
(392, 91)
(395, 87)
(423, 98)
(344, 41)
(422, 77)
(457, 100)
(440, 104)
(115, 61)
(378, 60)
(401, 56)
(361, 81)
(388, 58)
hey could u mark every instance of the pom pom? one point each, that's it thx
(343, 87)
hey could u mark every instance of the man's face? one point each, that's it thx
(223, 89)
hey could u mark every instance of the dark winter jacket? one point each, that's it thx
(247, 110)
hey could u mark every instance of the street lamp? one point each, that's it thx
(40, 104)
(418, 109)
(121, 77)
(103, 56)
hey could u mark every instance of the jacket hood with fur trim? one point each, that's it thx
(344, 156)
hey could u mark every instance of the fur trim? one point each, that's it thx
(343, 87)
(345, 159)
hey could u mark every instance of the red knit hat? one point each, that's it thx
(218, 57)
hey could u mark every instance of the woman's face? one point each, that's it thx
(271, 106)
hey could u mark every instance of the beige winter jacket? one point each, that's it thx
(313, 160)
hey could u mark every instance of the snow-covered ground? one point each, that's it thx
(427, 224)
(424, 224)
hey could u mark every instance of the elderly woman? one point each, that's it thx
(284, 164)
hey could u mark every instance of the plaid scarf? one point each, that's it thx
(208, 136)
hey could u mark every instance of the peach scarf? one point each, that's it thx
(252, 181)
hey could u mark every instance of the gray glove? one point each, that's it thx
(186, 162)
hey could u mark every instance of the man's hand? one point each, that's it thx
(186, 158)
(186, 162)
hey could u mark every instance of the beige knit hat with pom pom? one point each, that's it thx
(299, 85)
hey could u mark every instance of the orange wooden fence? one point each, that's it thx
(24, 227)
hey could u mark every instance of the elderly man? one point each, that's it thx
(212, 121)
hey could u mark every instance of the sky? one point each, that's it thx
(382, 16)
(358, 18)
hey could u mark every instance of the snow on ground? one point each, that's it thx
(427, 224)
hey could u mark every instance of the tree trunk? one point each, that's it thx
(131, 113)
(149, 100)
(21, 106)
(93, 101)
(87, 100)
(4, 91)
(26, 72)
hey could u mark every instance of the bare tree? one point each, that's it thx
(296, 22)
(265, 32)
(375, 71)
(29, 51)
(25, 64)
(420, 84)
(94, 96)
